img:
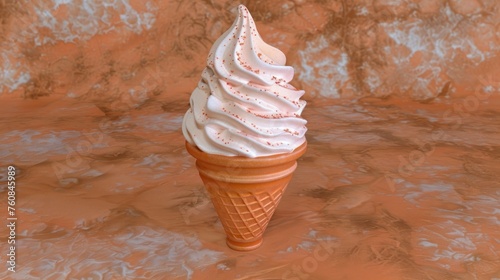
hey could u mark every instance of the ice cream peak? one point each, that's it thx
(244, 104)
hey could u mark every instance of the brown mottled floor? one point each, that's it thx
(389, 189)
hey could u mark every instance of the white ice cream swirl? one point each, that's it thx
(243, 105)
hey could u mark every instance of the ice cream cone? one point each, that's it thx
(245, 191)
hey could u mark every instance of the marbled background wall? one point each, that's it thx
(119, 54)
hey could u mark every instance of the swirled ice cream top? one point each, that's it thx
(244, 104)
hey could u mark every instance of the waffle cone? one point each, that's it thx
(245, 191)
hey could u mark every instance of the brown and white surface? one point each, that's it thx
(400, 180)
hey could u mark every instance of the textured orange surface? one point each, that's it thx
(124, 54)
(400, 187)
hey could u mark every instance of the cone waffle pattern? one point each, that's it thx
(245, 215)
(245, 192)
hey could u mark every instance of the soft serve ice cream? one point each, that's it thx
(243, 105)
